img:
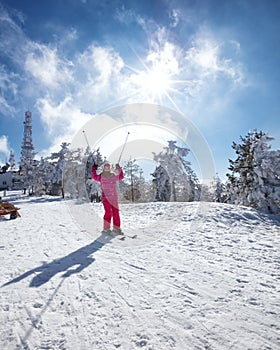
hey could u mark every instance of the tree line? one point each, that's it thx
(253, 178)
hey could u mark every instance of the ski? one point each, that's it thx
(123, 237)
(119, 236)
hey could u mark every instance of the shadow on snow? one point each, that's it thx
(81, 257)
(36, 200)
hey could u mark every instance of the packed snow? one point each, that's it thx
(198, 276)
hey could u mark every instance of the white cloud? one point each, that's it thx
(47, 67)
(8, 91)
(96, 78)
(124, 15)
(13, 42)
(165, 57)
(4, 149)
(128, 17)
(4, 144)
(175, 17)
(105, 62)
(99, 78)
(208, 59)
(64, 118)
(5, 108)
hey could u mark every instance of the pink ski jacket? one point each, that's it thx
(108, 184)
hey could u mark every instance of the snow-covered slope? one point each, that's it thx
(198, 276)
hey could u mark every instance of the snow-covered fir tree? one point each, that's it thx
(218, 189)
(54, 173)
(147, 190)
(174, 178)
(26, 174)
(93, 187)
(255, 173)
(74, 174)
(206, 193)
(39, 171)
(4, 168)
(161, 184)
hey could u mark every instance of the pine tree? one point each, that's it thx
(93, 187)
(218, 190)
(38, 181)
(174, 178)
(54, 171)
(206, 193)
(74, 174)
(255, 175)
(161, 184)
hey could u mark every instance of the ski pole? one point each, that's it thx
(123, 148)
(86, 139)
(90, 150)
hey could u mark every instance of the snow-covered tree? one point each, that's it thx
(133, 182)
(93, 187)
(54, 172)
(218, 189)
(45, 176)
(255, 174)
(92, 156)
(206, 193)
(26, 172)
(4, 168)
(174, 178)
(147, 191)
(39, 186)
(74, 174)
(161, 183)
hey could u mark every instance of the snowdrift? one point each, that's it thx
(198, 276)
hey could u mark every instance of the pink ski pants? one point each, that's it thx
(111, 211)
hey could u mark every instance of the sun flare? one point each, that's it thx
(153, 82)
(159, 80)
(156, 82)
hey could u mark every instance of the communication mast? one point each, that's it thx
(27, 149)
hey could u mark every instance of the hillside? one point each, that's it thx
(198, 276)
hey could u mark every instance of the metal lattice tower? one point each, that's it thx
(27, 149)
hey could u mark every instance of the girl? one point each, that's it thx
(108, 182)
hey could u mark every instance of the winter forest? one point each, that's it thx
(253, 177)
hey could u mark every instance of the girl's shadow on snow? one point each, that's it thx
(81, 257)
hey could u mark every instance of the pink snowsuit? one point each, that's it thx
(109, 197)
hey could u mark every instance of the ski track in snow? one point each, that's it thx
(198, 276)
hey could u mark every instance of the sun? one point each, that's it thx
(153, 82)
(156, 82)
(159, 79)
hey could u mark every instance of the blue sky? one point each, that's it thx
(216, 62)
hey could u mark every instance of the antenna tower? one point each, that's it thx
(27, 149)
